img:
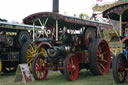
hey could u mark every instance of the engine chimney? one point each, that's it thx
(56, 6)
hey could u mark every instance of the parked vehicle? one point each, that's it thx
(69, 44)
(119, 13)
(14, 41)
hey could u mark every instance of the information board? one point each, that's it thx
(23, 73)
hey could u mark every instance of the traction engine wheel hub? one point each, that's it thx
(73, 67)
(101, 57)
(40, 68)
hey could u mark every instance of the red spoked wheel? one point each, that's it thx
(118, 68)
(39, 68)
(99, 57)
(71, 67)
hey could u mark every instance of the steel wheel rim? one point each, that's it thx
(40, 68)
(121, 69)
(103, 57)
(32, 51)
(72, 67)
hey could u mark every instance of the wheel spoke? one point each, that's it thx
(102, 47)
(41, 75)
(30, 60)
(105, 61)
(31, 48)
(29, 56)
(104, 52)
(98, 51)
(71, 75)
(102, 66)
(69, 67)
(29, 51)
(121, 76)
(71, 61)
(38, 74)
(99, 48)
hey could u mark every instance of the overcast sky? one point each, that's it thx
(18, 9)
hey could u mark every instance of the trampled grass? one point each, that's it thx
(56, 78)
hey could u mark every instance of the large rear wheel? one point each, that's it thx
(71, 67)
(39, 68)
(99, 57)
(118, 68)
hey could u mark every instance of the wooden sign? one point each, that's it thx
(23, 73)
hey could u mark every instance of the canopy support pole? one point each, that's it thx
(120, 25)
(121, 47)
(57, 30)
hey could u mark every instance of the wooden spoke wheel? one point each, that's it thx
(99, 57)
(71, 67)
(118, 68)
(32, 51)
(39, 68)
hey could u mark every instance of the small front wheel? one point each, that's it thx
(71, 67)
(39, 68)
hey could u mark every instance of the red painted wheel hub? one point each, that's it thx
(40, 68)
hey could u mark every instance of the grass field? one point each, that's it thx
(56, 78)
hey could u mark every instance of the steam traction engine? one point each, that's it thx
(14, 41)
(119, 13)
(68, 44)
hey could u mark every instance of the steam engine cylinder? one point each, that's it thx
(57, 52)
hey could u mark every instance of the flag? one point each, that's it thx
(99, 0)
